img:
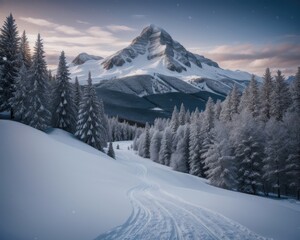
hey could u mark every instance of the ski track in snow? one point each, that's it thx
(157, 214)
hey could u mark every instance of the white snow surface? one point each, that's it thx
(55, 187)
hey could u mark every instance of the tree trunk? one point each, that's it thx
(278, 192)
(11, 113)
(298, 194)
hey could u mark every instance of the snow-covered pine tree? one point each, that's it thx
(235, 101)
(166, 147)
(208, 116)
(295, 89)
(265, 96)
(146, 143)
(20, 95)
(9, 46)
(219, 159)
(247, 140)
(252, 104)
(89, 125)
(104, 125)
(180, 158)
(117, 134)
(206, 132)
(280, 97)
(225, 114)
(291, 123)
(25, 51)
(111, 151)
(196, 166)
(218, 109)
(188, 117)
(276, 151)
(244, 99)
(64, 111)
(37, 112)
(78, 94)
(155, 146)
(174, 124)
(194, 116)
(181, 116)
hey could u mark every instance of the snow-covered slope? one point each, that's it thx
(155, 52)
(55, 187)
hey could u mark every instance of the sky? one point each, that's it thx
(247, 35)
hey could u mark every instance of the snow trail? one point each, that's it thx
(157, 214)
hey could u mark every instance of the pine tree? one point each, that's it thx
(252, 104)
(265, 97)
(280, 97)
(104, 125)
(291, 124)
(206, 133)
(235, 100)
(155, 146)
(182, 115)
(166, 147)
(244, 99)
(194, 116)
(180, 158)
(9, 46)
(174, 124)
(276, 151)
(64, 114)
(89, 126)
(196, 166)
(19, 98)
(218, 109)
(247, 142)
(146, 143)
(296, 92)
(225, 114)
(219, 160)
(78, 94)
(37, 112)
(249, 175)
(111, 151)
(188, 117)
(208, 118)
(25, 51)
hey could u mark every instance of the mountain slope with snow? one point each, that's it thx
(56, 187)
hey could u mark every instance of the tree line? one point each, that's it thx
(34, 97)
(250, 142)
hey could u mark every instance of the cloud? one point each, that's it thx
(138, 16)
(82, 22)
(38, 21)
(68, 30)
(45, 23)
(99, 32)
(255, 59)
(95, 40)
(117, 28)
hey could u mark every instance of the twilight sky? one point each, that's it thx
(238, 34)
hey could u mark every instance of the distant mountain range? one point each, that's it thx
(146, 79)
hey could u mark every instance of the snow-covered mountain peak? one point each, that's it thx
(157, 44)
(83, 57)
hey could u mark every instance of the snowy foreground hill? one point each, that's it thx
(56, 187)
